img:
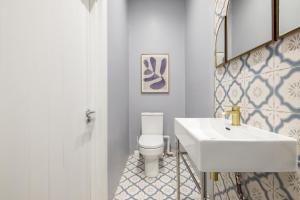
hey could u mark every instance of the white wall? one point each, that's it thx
(199, 58)
(46, 149)
(98, 61)
(156, 26)
(118, 137)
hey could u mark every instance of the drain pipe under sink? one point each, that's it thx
(168, 152)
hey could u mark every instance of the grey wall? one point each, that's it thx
(199, 58)
(118, 144)
(156, 26)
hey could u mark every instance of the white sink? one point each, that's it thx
(213, 148)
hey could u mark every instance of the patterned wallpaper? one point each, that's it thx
(266, 85)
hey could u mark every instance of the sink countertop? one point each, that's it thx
(215, 145)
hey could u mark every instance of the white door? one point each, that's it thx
(45, 144)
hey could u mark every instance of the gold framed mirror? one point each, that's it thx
(288, 17)
(249, 25)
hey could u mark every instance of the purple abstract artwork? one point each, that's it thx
(155, 73)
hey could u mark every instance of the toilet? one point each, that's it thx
(151, 142)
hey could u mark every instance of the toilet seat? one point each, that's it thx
(151, 141)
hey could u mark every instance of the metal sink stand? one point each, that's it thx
(202, 177)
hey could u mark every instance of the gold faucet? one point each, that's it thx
(236, 115)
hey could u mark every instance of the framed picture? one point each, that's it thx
(155, 73)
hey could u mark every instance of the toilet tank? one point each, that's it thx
(152, 123)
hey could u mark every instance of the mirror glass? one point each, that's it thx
(249, 25)
(220, 44)
(289, 16)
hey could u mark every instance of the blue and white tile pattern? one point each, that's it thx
(266, 85)
(134, 185)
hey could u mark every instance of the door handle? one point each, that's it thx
(88, 115)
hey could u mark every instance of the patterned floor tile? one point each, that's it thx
(134, 185)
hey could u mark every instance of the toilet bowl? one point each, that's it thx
(151, 143)
(151, 147)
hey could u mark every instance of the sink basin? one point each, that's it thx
(215, 146)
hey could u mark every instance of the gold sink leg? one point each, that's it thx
(214, 176)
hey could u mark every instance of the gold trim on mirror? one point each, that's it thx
(273, 32)
(276, 19)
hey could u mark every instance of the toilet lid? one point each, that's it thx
(151, 141)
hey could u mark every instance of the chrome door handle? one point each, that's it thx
(88, 115)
